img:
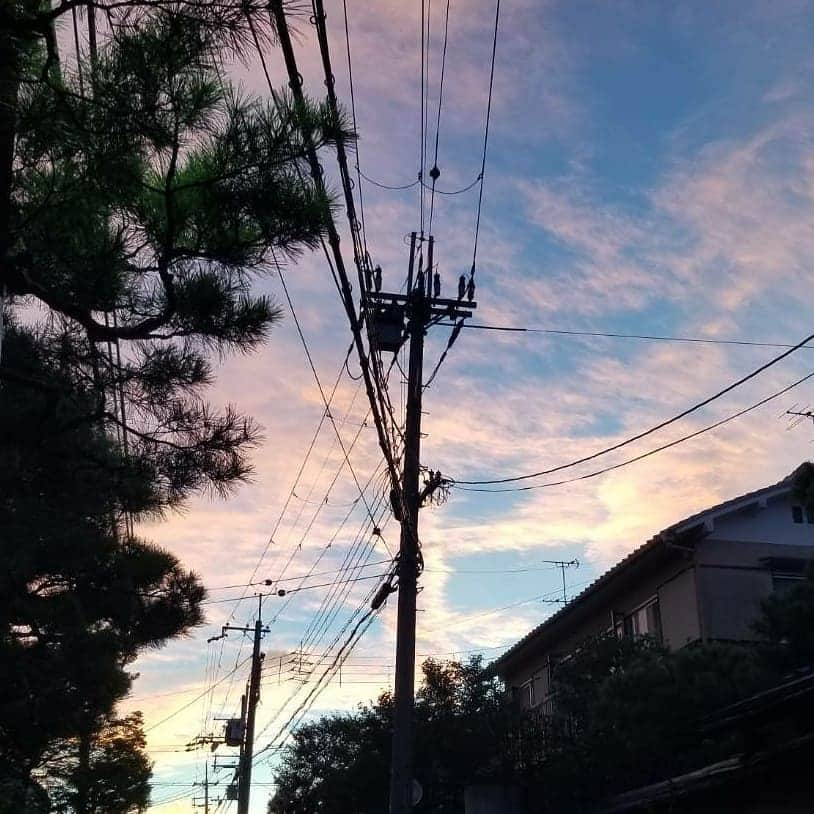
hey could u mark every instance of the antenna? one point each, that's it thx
(562, 565)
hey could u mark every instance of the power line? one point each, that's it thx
(394, 188)
(435, 172)
(616, 335)
(353, 115)
(322, 393)
(422, 136)
(197, 697)
(683, 414)
(372, 522)
(303, 464)
(401, 187)
(292, 579)
(288, 591)
(293, 695)
(649, 452)
(304, 706)
(485, 138)
(277, 13)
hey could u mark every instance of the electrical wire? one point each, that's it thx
(327, 651)
(330, 543)
(278, 19)
(290, 579)
(196, 699)
(435, 172)
(366, 620)
(667, 422)
(321, 391)
(485, 139)
(289, 591)
(650, 452)
(422, 138)
(355, 129)
(391, 187)
(612, 335)
(298, 476)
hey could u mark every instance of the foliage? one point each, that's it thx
(804, 484)
(787, 625)
(340, 763)
(77, 603)
(143, 210)
(628, 713)
(145, 199)
(112, 777)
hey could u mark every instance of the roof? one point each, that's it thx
(682, 527)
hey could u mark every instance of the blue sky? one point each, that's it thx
(650, 171)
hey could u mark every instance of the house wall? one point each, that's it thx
(671, 579)
(772, 523)
(735, 576)
(713, 592)
(678, 603)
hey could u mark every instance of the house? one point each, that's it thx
(701, 579)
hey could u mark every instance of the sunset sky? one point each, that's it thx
(650, 171)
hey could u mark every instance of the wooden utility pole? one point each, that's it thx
(247, 752)
(419, 306)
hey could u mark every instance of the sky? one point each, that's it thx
(650, 171)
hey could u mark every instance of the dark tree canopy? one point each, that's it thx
(340, 763)
(112, 777)
(144, 198)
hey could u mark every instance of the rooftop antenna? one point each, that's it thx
(562, 565)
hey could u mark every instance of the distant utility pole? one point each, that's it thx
(421, 305)
(248, 709)
(247, 753)
(205, 784)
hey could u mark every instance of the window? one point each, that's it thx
(797, 514)
(644, 621)
(527, 697)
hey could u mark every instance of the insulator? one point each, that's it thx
(470, 289)
(461, 287)
(435, 173)
(419, 284)
(368, 278)
(281, 592)
(377, 278)
(436, 285)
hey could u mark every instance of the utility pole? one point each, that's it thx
(420, 305)
(248, 708)
(205, 784)
(247, 753)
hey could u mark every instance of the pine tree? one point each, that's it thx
(144, 197)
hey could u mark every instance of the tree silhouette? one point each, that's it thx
(144, 197)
